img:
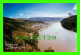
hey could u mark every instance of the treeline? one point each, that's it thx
(70, 23)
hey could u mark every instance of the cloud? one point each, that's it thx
(70, 13)
(41, 14)
(75, 7)
(21, 14)
(64, 15)
(49, 14)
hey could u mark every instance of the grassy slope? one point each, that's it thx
(16, 27)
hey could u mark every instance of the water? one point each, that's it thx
(65, 40)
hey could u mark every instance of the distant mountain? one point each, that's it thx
(48, 19)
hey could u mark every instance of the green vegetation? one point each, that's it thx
(70, 23)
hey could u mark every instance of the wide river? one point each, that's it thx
(65, 40)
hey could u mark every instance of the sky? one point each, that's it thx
(27, 10)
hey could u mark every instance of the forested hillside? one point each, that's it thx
(70, 23)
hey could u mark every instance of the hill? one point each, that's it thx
(70, 23)
(47, 19)
(14, 28)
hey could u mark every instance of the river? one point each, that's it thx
(65, 40)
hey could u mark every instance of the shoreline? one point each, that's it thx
(44, 28)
